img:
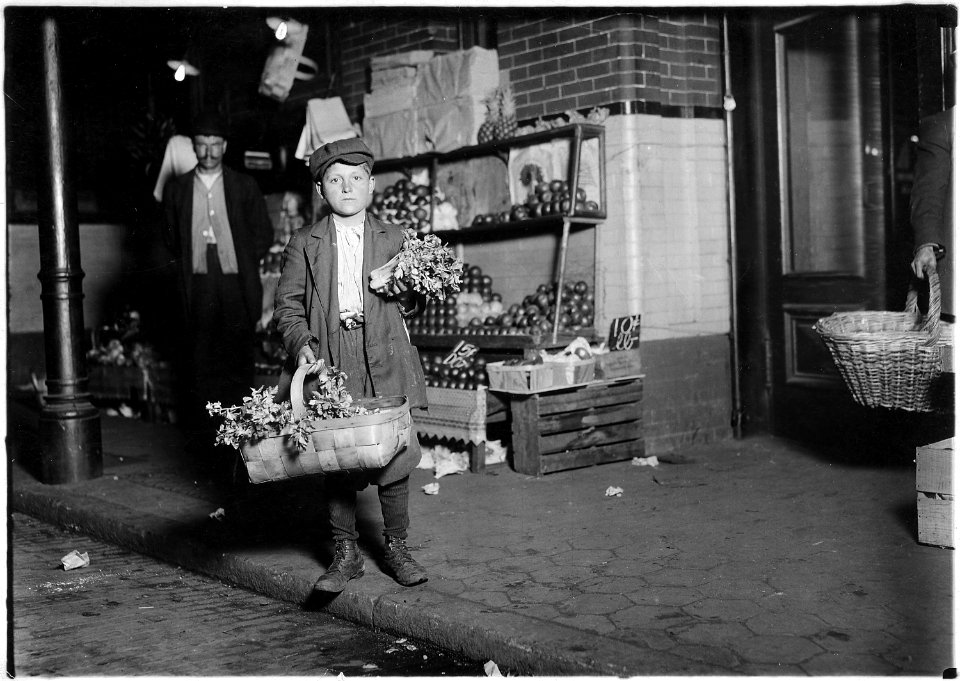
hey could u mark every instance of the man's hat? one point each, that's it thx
(209, 123)
(351, 151)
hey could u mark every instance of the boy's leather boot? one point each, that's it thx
(406, 570)
(347, 564)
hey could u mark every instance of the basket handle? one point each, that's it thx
(931, 323)
(296, 387)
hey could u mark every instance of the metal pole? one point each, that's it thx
(729, 103)
(561, 267)
(70, 441)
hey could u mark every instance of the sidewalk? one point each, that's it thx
(753, 557)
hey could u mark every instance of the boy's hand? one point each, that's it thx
(306, 356)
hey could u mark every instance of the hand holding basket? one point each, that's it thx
(362, 442)
(890, 359)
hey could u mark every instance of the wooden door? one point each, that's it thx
(832, 201)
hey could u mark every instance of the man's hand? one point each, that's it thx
(306, 356)
(924, 260)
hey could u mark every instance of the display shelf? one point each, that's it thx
(577, 133)
(573, 130)
(430, 341)
(563, 221)
(516, 228)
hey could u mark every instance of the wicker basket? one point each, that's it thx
(367, 441)
(890, 359)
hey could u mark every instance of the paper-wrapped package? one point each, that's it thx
(327, 121)
(410, 58)
(393, 135)
(398, 75)
(466, 73)
(389, 99)
(452, 124)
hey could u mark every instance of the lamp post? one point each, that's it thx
(70, 441)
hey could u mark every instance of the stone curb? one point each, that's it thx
(514, 642)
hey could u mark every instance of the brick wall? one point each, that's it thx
(578, 61)
(584, 60)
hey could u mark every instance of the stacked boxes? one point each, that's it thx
(935, 494)
(390, 122)
(420, 102)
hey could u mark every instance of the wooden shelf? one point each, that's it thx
(498, 342)
(517, 228)
(584, 130)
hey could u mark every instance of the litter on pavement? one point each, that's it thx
(219, 514)
(645, 461)
(75, 559)
(614, 491)
(491, 668)
(431, 488)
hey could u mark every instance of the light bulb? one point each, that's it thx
(180, 73)
(281, 30)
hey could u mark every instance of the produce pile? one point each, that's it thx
(261, 416)
(479, 310)
(547, 198)
(120, 343)
(440, 375)
(409, 205)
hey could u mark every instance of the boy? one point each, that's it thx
(326, 310)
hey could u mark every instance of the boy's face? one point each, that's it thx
(348, 189)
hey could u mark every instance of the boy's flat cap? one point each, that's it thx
(351, 151)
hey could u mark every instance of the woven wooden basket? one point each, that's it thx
(890, 359)
(362, 442)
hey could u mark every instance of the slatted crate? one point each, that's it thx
(935, 523)
(576, 427)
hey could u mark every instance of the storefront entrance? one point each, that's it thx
(821, 219)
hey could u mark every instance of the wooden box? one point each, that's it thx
(576, 427)
(935, 523)
(534, 378)
(618, 364)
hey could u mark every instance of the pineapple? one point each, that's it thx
(501, 118)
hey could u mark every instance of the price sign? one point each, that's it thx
(461, 355)
(624, 333)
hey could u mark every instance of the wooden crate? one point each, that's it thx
(935, 523)
(583, 426)
(618, 364)
(534, 378)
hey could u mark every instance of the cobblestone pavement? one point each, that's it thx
(126, 614)
(756, 557)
